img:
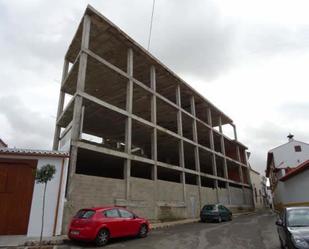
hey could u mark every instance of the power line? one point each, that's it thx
(150, 28)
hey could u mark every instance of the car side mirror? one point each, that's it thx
(134, 216)
(279, 223)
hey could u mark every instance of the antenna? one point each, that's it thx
(150, 28)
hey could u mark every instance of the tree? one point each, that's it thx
(44, 175)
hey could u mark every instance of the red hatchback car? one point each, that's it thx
(102, 223)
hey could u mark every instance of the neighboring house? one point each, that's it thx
(286, 163)
(21, 197)
(257, 182)
(267, 199)
(293, 187)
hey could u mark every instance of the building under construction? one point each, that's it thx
(138, 135)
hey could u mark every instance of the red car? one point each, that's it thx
(102, 223)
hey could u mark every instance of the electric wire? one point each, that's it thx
(151, 21)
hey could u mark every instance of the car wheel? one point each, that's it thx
(203, 220)
(231, 217)
(143, 231)
(219, 219)
(102, 237)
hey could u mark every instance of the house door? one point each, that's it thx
(16, 188)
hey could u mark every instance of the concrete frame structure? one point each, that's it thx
(129, 113)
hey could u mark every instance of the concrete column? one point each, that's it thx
(196, 149)
(154, 142)
(212, 146)
(65, 70)
(154, 136)
(128, 128)
(77, 112)
(235, 132)
(224, 159)
(241, 175)
(181, 146)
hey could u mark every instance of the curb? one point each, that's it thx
(157, 226)
(245, 213)
(47, 242)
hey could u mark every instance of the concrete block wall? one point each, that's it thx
(248, 197)
(193, 201)
(237, 197)
(170, 202)
(208, 195)
(223, 196)
(170, 191)
(92, 191)
(142, 196)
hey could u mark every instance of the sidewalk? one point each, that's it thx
(20, 240)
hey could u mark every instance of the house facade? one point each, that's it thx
(21, 197)
(259, 190)
(282, 161)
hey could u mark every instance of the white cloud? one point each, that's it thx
(249, 58)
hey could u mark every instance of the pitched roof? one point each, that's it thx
(30, 152)
(3, 143)
(295, 171)
(270, 157)
(300, 142)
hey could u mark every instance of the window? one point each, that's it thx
(125, 214)
(85, 214)
(297, 148)
(112, 213)
(221, 208)
(210, 208)
(298, 217)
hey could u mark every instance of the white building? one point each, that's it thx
(258, 184)
(21, 197)
(281, 161)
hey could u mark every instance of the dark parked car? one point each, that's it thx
(102, 223)
(215, 212)
(293, 228)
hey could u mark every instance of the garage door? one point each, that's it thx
(16, 188)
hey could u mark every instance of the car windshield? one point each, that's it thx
(209, 207)
(298, 217)
(84, 214)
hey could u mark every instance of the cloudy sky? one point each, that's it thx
(248, 57)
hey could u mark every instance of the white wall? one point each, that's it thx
(256, 181)
(34, 227)
(285, 155)
(293, 190)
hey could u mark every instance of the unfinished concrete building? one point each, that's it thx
(138, 135)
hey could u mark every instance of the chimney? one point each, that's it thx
(290, 137)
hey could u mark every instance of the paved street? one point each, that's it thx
(244, 232)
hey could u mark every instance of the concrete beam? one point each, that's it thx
(146, 122)
(142, 85)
